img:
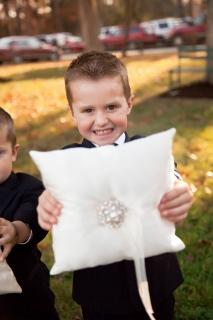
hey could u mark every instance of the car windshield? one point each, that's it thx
(5, 42)
(199, 20)
(163, 25)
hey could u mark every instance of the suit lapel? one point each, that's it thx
(87, 144)
(127, 138)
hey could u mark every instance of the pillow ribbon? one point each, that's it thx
(140, 268)
(143, 287)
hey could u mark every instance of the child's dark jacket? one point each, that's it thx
(113, 289)
(18, 201)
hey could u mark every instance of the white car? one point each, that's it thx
(162, 28)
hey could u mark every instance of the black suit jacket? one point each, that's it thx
(18, 201)
(113, 288)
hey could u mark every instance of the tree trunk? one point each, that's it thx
(57, 22)
(128, 18)
(210, 42)
(18, 27)
(7, 18)
(180, 9)
(90, 24)
(195, 7)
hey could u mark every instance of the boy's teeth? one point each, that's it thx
(100, 132)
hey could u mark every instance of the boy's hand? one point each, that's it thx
(7, 237)
(175, 204)
(48, 210)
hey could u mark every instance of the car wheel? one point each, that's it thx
(17, 59)
(161, 42)
(178, 41)
(54, 57)
(132, 46)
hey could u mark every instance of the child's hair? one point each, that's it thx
(96, 65)
(6, 121)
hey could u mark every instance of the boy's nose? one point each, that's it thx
(101, 119)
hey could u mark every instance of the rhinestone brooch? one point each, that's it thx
(111, 212)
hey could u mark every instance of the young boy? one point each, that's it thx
(100, 99)
(19, 235)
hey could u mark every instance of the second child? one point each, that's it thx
(20, 234)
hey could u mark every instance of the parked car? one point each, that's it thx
(26, 48)
(73, 44)
(113, 37)
(162, 28)
(67, 42)
(191, 32)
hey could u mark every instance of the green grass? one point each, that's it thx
(36, 99)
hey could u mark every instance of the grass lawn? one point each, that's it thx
(36, 99)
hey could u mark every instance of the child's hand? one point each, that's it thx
(175, 204)
(48, 210)
(7, 237)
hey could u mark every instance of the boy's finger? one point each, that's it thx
(44, 225)
(45, 219)
(175, 212)
(182, 199)
(176, 219)
(46, 216)
(177, 192)
(47, 198)
(6, 251)
(48, 210)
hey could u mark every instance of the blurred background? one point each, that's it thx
(77, 25)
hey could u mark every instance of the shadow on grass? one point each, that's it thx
(187, 115)
(195, 90)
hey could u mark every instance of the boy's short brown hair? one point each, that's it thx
(6, 121)
(96, 65)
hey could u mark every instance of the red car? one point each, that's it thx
(73, 44)
(26, 48)
(190, 33)
(113, 37)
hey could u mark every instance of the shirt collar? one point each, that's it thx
(120, 140)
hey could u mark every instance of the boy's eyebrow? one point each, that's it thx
(112, 103)
(82, 107)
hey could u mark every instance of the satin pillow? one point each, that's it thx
(97, 185)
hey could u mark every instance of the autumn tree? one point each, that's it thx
(90, 24)
(180, 8)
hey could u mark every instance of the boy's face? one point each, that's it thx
(100, 109)
(8, 155)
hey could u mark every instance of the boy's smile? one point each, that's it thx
(100, 109)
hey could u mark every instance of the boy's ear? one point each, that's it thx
(130, 103)
(15, 152)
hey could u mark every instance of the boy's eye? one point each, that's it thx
(88, 110)
(2, 152)
(111, 107)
